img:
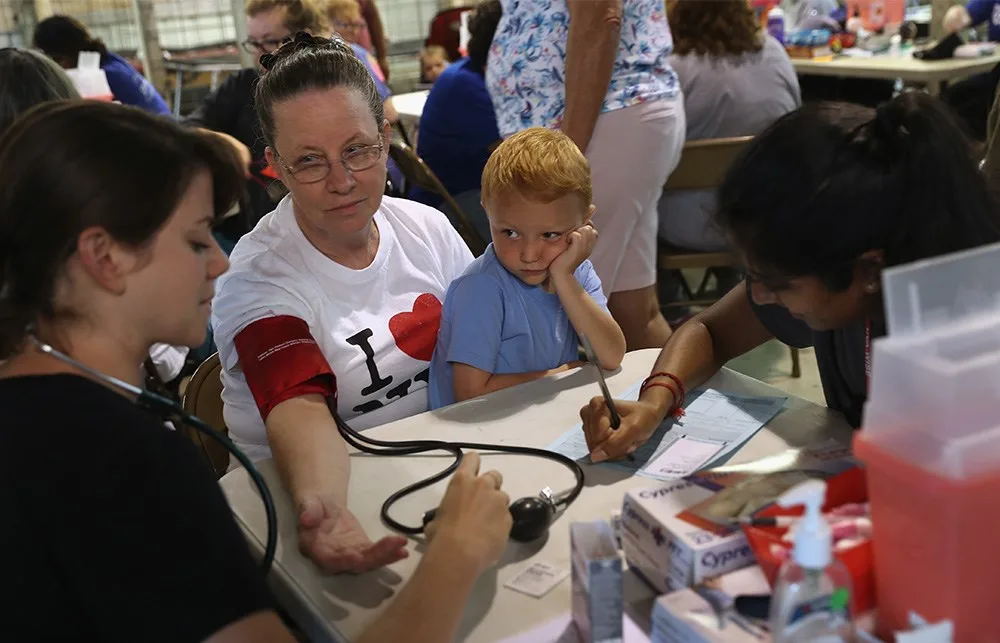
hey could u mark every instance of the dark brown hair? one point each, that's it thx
(830, 181)
(306, 63)
(301, 15)
(713, 27)
(482, 26)
(73, 165)
(65, 37)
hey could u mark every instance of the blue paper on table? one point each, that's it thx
(713, 426)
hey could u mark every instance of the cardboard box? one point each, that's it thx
(682, 532)
(597, 582)
(671, 552)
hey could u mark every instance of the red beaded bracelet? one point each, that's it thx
(677, 409)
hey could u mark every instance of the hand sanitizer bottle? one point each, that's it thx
(812, 594)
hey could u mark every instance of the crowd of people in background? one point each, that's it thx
(260, 225)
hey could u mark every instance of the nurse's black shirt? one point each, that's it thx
(112, 527)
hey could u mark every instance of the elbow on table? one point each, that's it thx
(612, 362)
(611, 358)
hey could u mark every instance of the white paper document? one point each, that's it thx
(714, 425)
(683, 457)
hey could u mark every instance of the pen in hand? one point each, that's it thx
(616, 420)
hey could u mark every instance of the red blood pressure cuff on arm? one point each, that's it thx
(281, 360)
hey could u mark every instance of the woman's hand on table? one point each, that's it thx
(473, 521)
(638, 423)
(333, 539)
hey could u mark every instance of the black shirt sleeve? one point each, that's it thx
(135, 531)
(787, 329)
(220, 111)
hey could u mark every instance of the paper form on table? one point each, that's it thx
(683, 457)
(724, 420)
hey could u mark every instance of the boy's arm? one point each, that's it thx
(471, 382)
(475, 311)
(588, 317)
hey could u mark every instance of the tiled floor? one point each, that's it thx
(772, 363)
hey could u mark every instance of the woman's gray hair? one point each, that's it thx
(29, 78)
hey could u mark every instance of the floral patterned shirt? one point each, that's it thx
(525, 73)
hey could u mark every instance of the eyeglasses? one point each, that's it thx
(268, 46)
(313, 168)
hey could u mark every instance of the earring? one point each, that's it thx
(871, 288)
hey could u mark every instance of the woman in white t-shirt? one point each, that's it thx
(334, 299)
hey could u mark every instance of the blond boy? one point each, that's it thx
(516, 313)
(433, 61)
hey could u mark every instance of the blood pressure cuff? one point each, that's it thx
(281, 360)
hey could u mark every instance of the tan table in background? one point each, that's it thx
(931, 74)
(339, 608)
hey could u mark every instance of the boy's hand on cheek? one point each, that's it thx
(578, 249)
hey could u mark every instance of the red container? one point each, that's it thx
(848, 487)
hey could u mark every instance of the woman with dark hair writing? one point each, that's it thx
(817, 206)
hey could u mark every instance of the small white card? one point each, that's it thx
(683, 457)
(537, 580)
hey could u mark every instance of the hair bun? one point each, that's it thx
(889, 123)
(303, 41)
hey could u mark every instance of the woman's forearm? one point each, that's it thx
(591, 48)
(690, 356)
(699, 348)
(311, 457)
(430, 607)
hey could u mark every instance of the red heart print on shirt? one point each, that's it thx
(416, 332)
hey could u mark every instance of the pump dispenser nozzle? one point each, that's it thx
(813, 538)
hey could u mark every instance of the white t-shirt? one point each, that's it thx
(377, 327)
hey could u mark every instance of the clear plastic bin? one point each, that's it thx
(931, 444)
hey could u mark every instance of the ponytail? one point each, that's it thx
(945, 204)
(827, 183)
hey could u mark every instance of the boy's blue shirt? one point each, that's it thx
(493, 321)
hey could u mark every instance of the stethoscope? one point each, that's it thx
(532, 515)
(171, 411)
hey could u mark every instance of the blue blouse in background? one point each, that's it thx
(457, 128)
(130, 87)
